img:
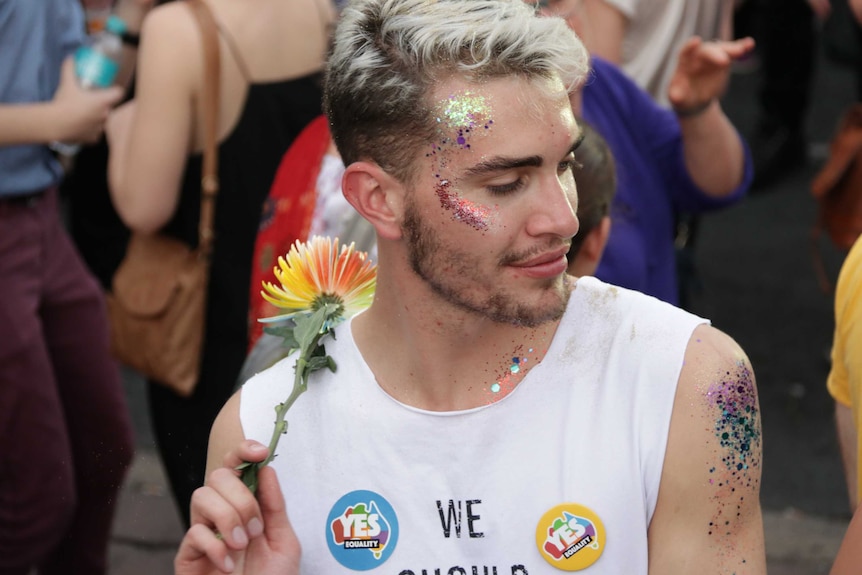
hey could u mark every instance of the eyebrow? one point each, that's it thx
(502, 163)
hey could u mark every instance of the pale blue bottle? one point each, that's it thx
(96, 65)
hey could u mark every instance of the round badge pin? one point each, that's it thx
(570, 536)
(362, 530)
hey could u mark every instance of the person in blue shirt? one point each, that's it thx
(65, 432)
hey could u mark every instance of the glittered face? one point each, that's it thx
(461, 118)
(474, 215)
(489, 218)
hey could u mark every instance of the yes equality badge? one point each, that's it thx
(570, 537)
(362, 530)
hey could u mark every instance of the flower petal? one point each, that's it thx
(318, 270)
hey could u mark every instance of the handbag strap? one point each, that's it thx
(210, 104)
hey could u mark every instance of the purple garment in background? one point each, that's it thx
(653, 182)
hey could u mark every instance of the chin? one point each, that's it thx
(549, 306)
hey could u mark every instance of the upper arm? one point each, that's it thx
(848, 443)
(856, 6)
(845, 373)
(708, 514)
(146, 193)
(608, 25)
(850, 553)
(225, 435)
(846, 365)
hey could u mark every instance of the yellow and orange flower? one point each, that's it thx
(317, 273)
(321, 286)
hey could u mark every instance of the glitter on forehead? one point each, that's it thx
(465, 110)
(460, 117)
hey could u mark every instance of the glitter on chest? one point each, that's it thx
(507, 380)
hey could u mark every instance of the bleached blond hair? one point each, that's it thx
(388, 55)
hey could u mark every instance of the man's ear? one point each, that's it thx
(598, 239)
(590, 253)
(595, 242)
(376, 195)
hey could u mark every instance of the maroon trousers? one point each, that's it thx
(65, 430)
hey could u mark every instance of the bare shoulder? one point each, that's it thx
(708, 510)
(226, 433)
(169, 69)
(717, 407)
(171, 27)
(174, 17)
(711, 353)
(169, 30)
(328, 9)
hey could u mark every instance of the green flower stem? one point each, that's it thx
(300, 384)
(304, 336)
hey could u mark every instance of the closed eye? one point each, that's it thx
(505, 189)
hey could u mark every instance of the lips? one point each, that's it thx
(545, 265)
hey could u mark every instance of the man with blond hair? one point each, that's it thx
(490, 413)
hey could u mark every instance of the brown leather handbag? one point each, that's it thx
(837, 187)
(158, 298)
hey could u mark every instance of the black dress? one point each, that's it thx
(273, 115)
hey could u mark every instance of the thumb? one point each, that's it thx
(279, 532)
(247, 451)
(67, 72)
(112, 95)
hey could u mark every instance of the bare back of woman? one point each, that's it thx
(271, 56)
(261, 41)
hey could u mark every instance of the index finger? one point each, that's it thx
(740, 47)
(199, 542)
(733, 48)
(226, 504)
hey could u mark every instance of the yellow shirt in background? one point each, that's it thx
(845, 378)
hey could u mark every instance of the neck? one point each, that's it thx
(430, 354)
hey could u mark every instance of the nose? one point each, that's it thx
(554, 210)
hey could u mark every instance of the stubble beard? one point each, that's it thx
(455, 276)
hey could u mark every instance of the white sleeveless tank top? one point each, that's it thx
(562, 474)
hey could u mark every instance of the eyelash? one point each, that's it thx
(503, 189)
(571, 164)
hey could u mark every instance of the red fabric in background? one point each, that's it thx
(287, 213)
